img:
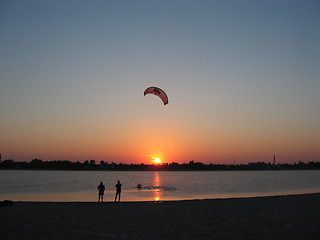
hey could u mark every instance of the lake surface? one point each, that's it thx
(24, 185)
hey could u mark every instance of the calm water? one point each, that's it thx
(81, 185)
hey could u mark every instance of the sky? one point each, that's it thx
(242, 77)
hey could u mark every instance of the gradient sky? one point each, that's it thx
(243, 80)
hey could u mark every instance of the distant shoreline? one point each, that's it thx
(38, 164)
(151, 170)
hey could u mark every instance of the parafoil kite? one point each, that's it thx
(158, 92)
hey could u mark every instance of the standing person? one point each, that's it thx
(101, 189)
(118, 191)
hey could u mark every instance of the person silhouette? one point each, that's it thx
(101, 189)
(118, 191)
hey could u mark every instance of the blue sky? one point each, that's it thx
(242, 79)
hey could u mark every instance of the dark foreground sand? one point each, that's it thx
(282, 217)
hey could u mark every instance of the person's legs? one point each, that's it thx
(117, 195)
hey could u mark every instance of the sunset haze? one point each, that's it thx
(242, 78)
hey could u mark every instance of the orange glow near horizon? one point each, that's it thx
(174, 142)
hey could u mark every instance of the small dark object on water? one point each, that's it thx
(6, 203)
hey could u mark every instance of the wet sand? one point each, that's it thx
(280, 217)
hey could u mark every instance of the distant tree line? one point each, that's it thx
(38, 164)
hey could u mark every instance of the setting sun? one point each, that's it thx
(157, 160)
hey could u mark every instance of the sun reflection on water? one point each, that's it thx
(156, 184)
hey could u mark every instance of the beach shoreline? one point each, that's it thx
(276, 217)
(218, 197)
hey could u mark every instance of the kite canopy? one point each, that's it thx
(159, 92)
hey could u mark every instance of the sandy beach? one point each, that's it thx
(280, 217)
